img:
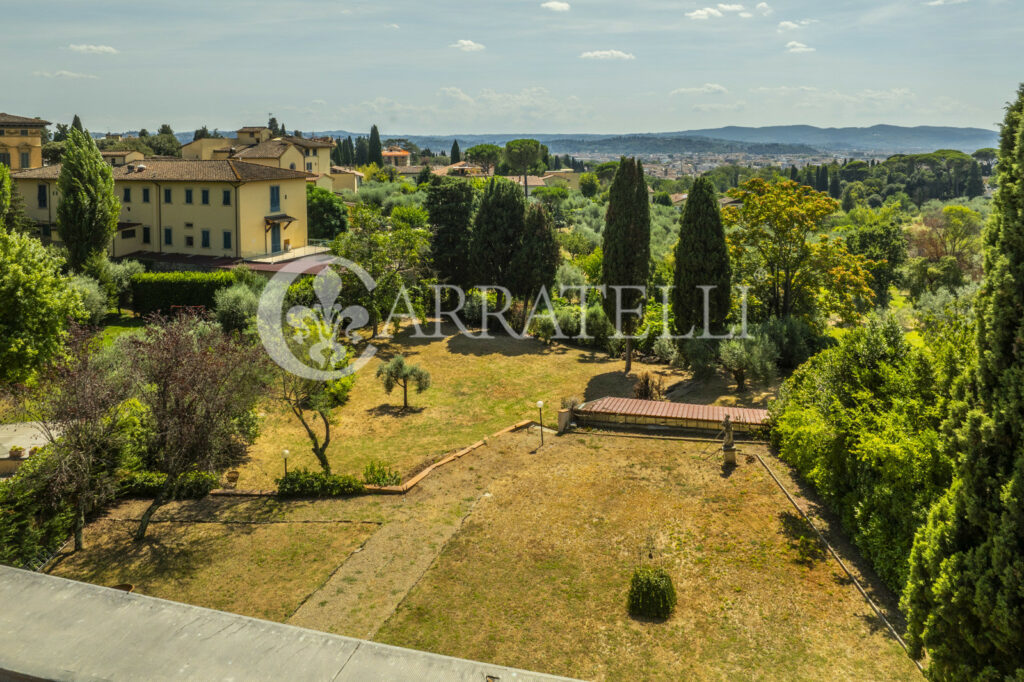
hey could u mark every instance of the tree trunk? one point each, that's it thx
(157, 502)
(629, 354)
(405, 394)
(321, 450)
(741, 381)
(79, 525)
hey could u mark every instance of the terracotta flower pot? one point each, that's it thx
(17, 452)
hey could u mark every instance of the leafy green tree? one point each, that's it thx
(520, 155)
(450, 203)
(781, 250)
(878, 236)
(423, 177)
(627, 248)
(398, 372)
(702, 259)
(6, 192)
(326, 213)
(751, 358)
(311, 400)
(486, 156)
(373, 150)
(964, 599)
(497, 232)
(88, 211)
(36, 303)
(455, 155)
(536, 260)
(589, 185)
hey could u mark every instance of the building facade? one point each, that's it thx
(223, 209)
(21, 141)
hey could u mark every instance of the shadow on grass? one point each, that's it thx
(389, 410)
(614, 384)
(500, 344)
(802, 539)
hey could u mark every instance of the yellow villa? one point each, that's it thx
(21, 141)
(219, 209)
(254, 144)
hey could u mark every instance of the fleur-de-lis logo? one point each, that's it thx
(319, 331)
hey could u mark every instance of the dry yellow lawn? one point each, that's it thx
(254, 558)
(479, 387)
(538, 575)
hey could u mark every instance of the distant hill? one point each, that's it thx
(790, 139)
(880, 138)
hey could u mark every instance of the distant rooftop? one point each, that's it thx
(151, 170)
(11, 119)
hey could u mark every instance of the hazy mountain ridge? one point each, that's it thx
(788, 139)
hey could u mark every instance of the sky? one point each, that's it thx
(510, 66)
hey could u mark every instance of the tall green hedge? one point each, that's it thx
(154, 292)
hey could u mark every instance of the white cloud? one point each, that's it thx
(734, 106)
(939, 3)
(457, 94)
(810, 97)
(706, 89)
(730, 8)
(556, 6)
(764, 8)
(796, 48)
(746, 15)
(64, 74)
(392, 26)
(467, 46)
(318, 102)
(607, 54)
(705, 13)
(93, 49)
(793, 25)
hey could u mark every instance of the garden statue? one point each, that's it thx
(728, 446)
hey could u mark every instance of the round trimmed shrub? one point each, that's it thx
(651, 593)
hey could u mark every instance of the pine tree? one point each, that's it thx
(374, 150)
(497, 231)
(536, 261)
(76, 123)
(975, 185)
(702, 259)
(449, 203)
(456, 154)
(88, 211)
(964, 597)
(627, 246)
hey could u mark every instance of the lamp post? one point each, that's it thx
(284, 454)
(540, 414)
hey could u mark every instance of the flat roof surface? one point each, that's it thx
(657, 408)
(66, 630)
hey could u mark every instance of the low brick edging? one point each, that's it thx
(391, 489)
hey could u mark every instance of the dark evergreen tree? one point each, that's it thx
(537, 259)
(497, 232)
(76, 123)
(350, 152)
(627, 246)
(362, 154)
(975, 185)
(964, 597)
(835, 187)
(374, 150)
(794, 174)
(456, 154)
(275, 130)
(88, 211)
(449, 203)
(702, 259)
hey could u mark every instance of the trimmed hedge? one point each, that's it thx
(651, 593)
(146, 484)
(302, 483)
(155, 292)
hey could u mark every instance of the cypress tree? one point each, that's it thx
(793, 173)
(76, 123)
(627, 245)
(537, 258)
(456, 154)
(88, 211)
(497, 231)
(348, 152)
(975, 185)
(835, 188)
(964, 598)
(362, 152)
(702, 259)
(374, 150)
(449, 203)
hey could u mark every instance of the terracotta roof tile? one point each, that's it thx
(11, 119)
(181, 171)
